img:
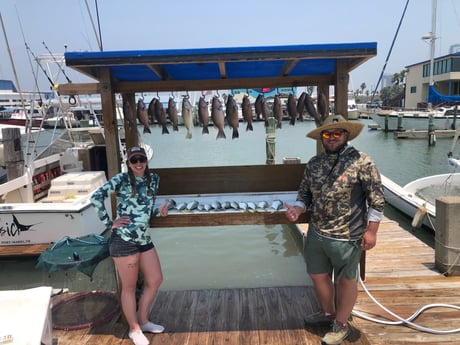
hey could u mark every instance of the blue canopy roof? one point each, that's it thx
(212, 68)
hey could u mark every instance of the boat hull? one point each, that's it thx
(412, 121)
(410, 198)
(39, 223)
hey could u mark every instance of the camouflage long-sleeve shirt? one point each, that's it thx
(139, 207)
(344, 192)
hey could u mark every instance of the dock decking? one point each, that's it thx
(399, 273)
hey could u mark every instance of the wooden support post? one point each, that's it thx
(431, 133)
(447, 243)
(270, 140)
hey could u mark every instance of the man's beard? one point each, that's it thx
(337, 150)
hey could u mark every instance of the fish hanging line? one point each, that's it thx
(389, 52)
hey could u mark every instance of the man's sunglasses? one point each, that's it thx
(335, 134)
(134, 160)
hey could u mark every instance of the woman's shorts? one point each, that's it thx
(118, 247)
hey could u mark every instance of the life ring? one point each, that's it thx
(72, 100)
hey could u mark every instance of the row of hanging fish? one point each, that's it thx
(226, 206)
(295, 110)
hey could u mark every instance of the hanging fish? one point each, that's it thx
(258, 105)
(172, 113)
(187, 116)
(292, 109)
(203, 114)
(265, 111)
(312, 110)
(301, 105)
(322, 105)
(218, 118)
(278, 111)
(151, 110)
(231, 110)
(128, 115)
(143, 116)
(161, 117)
(246, 109)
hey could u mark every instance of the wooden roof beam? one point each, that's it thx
(159, 71)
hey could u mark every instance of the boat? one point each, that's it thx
(51, 199)
(417, 199)
(353, 111)
(441, 118)
(22, 117)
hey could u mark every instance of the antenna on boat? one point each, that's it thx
(98, 36)
(389, 52)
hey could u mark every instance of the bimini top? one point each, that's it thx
(214, 68)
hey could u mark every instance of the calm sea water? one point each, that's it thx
(240, 256)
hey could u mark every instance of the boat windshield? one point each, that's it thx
(73, 137)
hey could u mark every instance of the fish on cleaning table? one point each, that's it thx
(192, 205)
(181, 206)
(275, 205)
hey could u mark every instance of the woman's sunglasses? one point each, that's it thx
(335, 134)
(134, 160)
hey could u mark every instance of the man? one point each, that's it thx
(343, 189)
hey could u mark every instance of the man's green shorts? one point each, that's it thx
(327, 255)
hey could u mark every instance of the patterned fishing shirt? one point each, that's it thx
(139, 207)
(344, 191)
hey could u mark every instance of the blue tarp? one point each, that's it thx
(435, 97)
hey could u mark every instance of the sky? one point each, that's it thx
(177, 24)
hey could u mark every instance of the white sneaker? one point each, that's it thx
(138, 338)
(152, 327)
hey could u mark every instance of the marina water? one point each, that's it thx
(239, 256)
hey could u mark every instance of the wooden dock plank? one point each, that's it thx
(396, 277)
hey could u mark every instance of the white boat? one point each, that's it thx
(440, 118)
(353, 111)
(417, 199)
(52, 198)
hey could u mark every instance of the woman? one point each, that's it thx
(130, 244)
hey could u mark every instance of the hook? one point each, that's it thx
(158, 95)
